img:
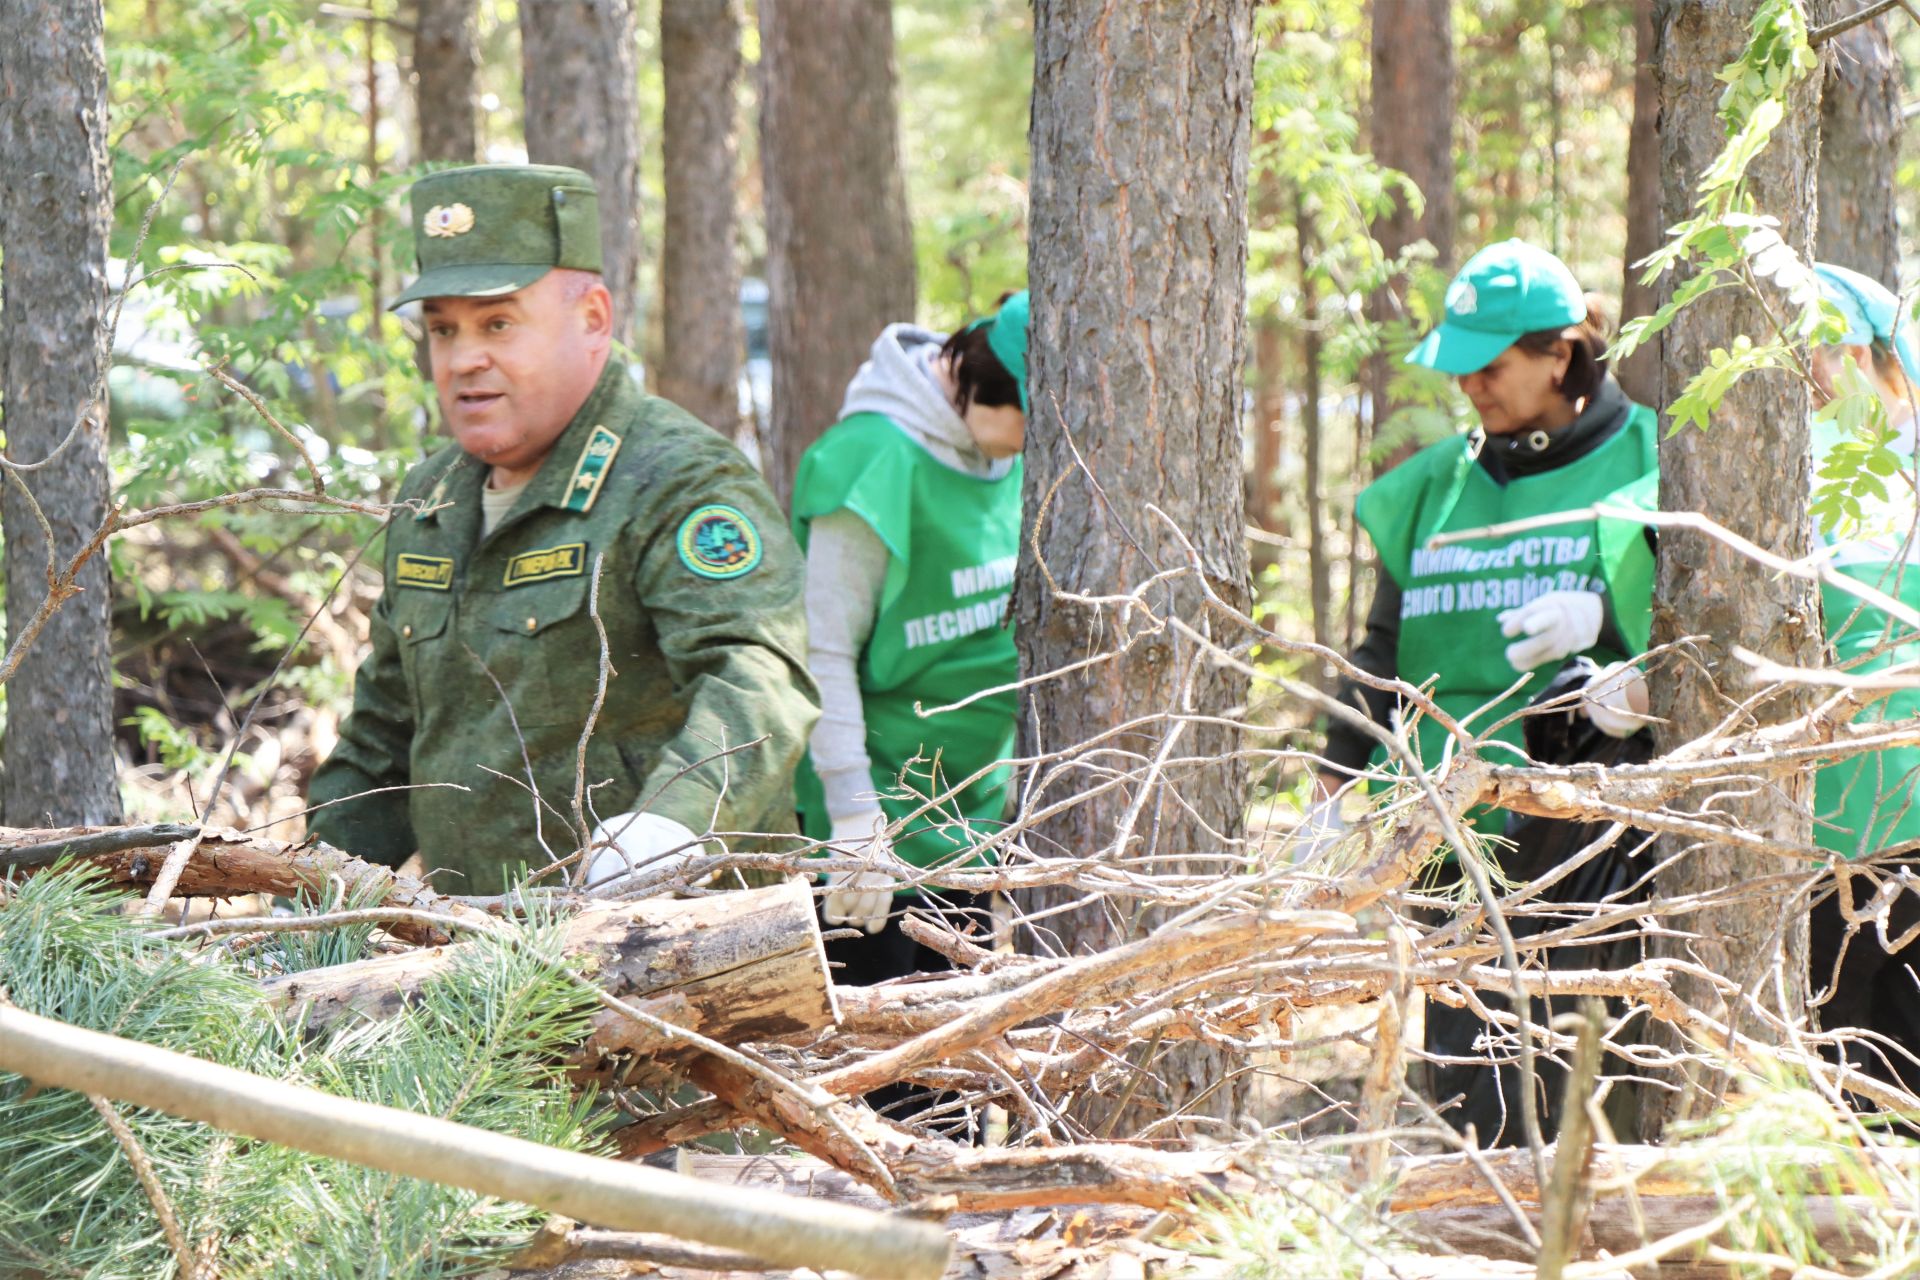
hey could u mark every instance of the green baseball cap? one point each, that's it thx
(1007, 338)
(1505, 291)
(494, 228)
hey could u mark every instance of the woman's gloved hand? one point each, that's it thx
(1556, 625)
(638, 843)
(1616, 700)
(862, 897)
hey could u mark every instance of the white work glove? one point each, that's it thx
(1320, 829)
(638, 844)
(1613, 698)
(1556, 625)
(861, 897)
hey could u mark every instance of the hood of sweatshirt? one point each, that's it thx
(898, 382)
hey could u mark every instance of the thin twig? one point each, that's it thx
(149, 1183)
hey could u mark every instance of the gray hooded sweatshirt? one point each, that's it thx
(847, 562)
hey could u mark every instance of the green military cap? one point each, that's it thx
(494, 228)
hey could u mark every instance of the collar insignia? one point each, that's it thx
(591, 471)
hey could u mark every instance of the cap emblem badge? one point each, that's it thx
(445, 221)
(1463, 299)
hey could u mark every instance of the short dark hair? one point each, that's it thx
(978, 376)
(1588, 367)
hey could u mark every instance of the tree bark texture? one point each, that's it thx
(1412, 124)
(1750, 471)
(583, 110)
(56, 762)
(1860, 128)
(446, 66)
(1141, 119)
(839, 243)
(1639, 376)
(700, 297)
(740, 968)
(1264, 510)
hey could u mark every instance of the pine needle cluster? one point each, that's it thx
(481, 1046)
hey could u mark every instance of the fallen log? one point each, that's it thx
(229, 863)
(1429, 1182)
(1837, 1224)
(606, 1193)
(741, 968)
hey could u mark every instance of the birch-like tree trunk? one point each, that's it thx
(839, 243)
(1860, 128)
(582, 97)
(1751, 472)
(1141, 119)
(700, 294)
(56, 761)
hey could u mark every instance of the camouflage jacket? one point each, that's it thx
(485, 658)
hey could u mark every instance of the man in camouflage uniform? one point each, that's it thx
(485, 656)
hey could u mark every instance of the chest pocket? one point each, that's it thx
(420, 622)
(538, 641)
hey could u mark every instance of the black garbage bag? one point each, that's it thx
(1488, 1090)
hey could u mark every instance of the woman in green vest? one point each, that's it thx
(1555, 433)
(1867, 803)
(1490, 622)
(908, 509)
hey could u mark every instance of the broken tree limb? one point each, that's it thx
(229, 863)
(1154, 962)
(1430, 1182)
(30, 847)
(739, 968)
(560, 1241)
(935, 1171)
(1837, 1225)
(608, 1193)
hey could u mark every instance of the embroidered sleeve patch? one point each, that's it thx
(718, 541)
(429, 573)
(566, 561)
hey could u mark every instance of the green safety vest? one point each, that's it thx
(1866, 803)
(941, 633)
(1862, 804)
(1452, 595)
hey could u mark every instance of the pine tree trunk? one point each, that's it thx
(839, 243)
(446, 66)
(1639, 376)
(1412, 123)
(700, 297)
(1860, 127)
(1138, 261)
(56, 762)
(582, 110)
(1751, 473)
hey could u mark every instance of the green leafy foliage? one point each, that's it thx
(1729, 243)
(480, 1047)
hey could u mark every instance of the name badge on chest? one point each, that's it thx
(568, 560)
